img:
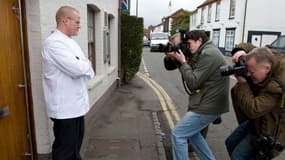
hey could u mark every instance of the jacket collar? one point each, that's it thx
(195, 56)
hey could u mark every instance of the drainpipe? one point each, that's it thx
(244, 20)
(119, 47)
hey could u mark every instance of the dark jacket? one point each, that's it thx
(209, 88)
(262, 107)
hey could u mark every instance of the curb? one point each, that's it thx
(159, 144)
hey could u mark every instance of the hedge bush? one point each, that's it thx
(131, 45)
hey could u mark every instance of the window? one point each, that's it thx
(209, 13)
(91, 37)
(230, 38)
(218, 6)
(106, 39)
(232, 8)
(202, 15)
(216, 37)
(193, 19)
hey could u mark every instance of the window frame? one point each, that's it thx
(232, 9)
(209, 14)
(229, 39)
(214, 36)
(91, 36)
(202, 15)
(218, 8)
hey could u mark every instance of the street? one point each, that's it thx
(170, 81)
(135, 122)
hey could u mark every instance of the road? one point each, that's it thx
(170, 81)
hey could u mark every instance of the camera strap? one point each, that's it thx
(281, 109)
(186, 88)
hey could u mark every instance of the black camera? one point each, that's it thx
(238, 69)
(171, 47)
(264, 145)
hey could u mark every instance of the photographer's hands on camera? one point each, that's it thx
(235, 59)
(179, 56)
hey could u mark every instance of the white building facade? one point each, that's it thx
(229, 22)
(158, 28)
(98, 38)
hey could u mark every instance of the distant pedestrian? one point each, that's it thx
(65, 72)
(208, 98)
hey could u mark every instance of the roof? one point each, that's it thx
(206, 3)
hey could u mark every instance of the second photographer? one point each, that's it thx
(257, 98)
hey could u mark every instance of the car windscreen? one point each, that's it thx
(279, 43)
(159, 36)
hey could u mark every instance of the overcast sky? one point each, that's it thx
(154, 10)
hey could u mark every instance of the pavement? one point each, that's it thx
(127, 127)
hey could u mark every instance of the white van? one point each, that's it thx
(157, 38)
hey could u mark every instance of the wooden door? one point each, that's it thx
(14, 132)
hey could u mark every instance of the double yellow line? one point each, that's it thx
(166, 102)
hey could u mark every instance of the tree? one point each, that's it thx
(181, 22)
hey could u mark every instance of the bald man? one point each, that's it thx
(65, 73)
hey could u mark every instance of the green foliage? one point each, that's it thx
(181, 22)
(131, 45)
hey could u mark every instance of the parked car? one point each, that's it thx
(157, 38)
(278, 44)
(146, 41)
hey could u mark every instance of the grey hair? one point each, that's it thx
(175, 35)
(261, 55)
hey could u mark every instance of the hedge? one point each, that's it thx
(131, 45)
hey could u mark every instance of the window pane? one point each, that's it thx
(216, 37)
(91, 38)
(230, 34)
(218, 12)
(209, 13)
(232, 8)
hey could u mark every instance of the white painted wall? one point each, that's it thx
(40, 22)
(266, 15)
(262, 15)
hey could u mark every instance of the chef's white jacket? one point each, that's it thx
(64, 77)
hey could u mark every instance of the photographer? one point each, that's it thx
(208, 98)
(171, 63)
(256, 100)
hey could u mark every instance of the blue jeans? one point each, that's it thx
(189, 127)
(240, 144)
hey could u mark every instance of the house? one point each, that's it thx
(229, 22)
(170, 20)
(25, 129)
(157, 28)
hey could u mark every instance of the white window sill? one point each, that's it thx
(94, 82)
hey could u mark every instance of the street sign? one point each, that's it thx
(125, 5)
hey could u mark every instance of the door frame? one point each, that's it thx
(28, 89)
(260, 33)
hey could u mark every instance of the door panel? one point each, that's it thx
(14, 135)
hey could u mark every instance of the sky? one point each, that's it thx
(154, 10)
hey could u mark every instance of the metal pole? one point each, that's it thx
(244, 22)
(137, 7)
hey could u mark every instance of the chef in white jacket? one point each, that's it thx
(65, 73)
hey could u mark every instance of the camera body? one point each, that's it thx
(238, 69)
(171, 47)
(264, 145)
